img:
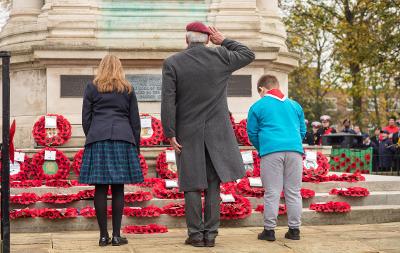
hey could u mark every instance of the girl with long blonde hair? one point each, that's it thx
(111, 122)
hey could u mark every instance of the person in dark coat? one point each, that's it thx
(195, 118)
(375, 141)
(386, 150)
(309, 139)
(347, 127)
(396, 156)
(111, 123)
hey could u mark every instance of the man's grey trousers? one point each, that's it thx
(282, 171)
(197, 228)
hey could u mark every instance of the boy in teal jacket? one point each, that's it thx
(276, 128)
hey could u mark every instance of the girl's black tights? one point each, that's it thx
(100, 204)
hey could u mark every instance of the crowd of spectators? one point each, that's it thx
(384, 141)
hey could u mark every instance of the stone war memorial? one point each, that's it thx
(56, 47)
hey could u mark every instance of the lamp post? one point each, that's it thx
(5, 155)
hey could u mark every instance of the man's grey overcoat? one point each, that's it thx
(194, 109)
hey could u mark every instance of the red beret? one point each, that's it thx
(198, 27)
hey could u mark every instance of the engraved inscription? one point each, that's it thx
(147, 87)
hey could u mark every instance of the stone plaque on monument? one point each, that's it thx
(239, 86)
(147, 87)
(72, 86)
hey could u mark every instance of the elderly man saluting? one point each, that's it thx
(195, 118)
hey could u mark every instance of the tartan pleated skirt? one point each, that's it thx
(110, 162)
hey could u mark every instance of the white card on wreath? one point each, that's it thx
(19, 157)
(145, 122)
(171, 183)
(170, 156)
(50, 122)
(247, 157)
(227, 198)
(49, 155)
(311, 155)
(255, 182)
(15, 168)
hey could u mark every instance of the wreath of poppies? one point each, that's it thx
(232, 120)
(158, 135)
(350, 192)
(24, 199)
(148, 211)
(282, 209)
(244, 188)
(227, 188)
(355, 177)
(88, 212)
(239, 209)
(331, 207)
(162, 192)
(146, 229)
(24, 170)
(241, 133)
(26, 184)
(162, 166)
(256, 171)
(174, 209)
(62, 136)
(61, 160)
(149, 182)
(59, 198)
(321, 170)
(48, 213)
(77, 162)
(86, 194)
(138, 196)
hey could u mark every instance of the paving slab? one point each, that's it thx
(374, 238)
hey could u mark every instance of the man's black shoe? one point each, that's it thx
(209, 242)
(268, 235)
(194, 242)
(293, 234)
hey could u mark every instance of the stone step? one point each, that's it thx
(373, 183)
(358, 215)
(375, 198)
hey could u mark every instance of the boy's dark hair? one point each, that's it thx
(392, 117)
(268, 81)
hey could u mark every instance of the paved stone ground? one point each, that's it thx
(375, 238)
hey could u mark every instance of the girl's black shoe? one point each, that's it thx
(118, 240)
(104, 241)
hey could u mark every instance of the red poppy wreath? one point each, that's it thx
(48, 137)
(350, 192)
(154, 135)
(241, 133)
(63, 164)
(239, 209)
(19, 171)
(165, 170)
(145, 229)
